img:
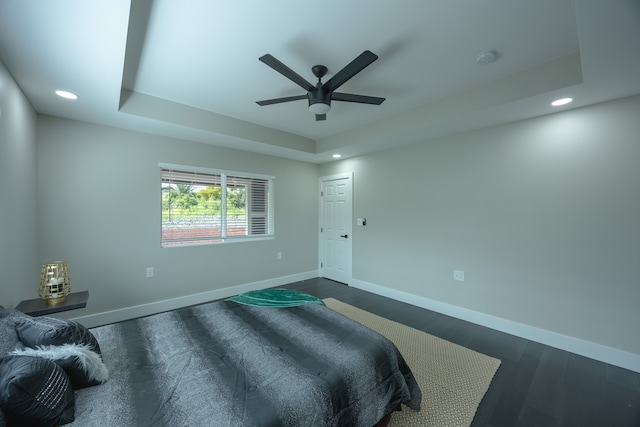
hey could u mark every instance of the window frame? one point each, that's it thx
(265, 198)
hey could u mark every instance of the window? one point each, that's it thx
(211, 206)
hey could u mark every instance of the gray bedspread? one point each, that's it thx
(226, 364)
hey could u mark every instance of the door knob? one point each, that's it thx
(344, 235)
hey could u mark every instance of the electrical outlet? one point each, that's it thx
(458, 275)
(279, 255)
(149, 272)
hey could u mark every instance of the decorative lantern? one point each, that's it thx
(55, 283)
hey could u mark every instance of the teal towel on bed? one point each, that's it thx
(275, 298)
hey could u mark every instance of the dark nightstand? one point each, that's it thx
(39, 307)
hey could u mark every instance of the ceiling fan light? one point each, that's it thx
(319, 108)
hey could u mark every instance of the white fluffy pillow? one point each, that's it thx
(83, 366)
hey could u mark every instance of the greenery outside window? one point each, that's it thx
(201, 205)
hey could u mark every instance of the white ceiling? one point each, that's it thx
(189, 69)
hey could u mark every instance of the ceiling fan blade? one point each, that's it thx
(287, 72)
(279, 100)
(321, 117)
(362, 99)
(353, 68)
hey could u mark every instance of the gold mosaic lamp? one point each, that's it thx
(55, 283)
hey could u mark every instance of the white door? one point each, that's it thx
(336, 227)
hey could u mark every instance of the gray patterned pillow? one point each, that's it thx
(83, 366)
(9, 340)
(35, 392)
(42, 331)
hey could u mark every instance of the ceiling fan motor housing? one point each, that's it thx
(320, 95)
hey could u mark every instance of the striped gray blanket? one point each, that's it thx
(227, 364)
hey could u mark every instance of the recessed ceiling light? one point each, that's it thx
(67, 95)
(337, 156)
(562, 101)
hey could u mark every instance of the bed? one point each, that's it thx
(231, 364)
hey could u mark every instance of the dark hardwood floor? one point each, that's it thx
(536, 385)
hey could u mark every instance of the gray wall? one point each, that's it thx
(19, 266)
(543, 216)
(99, 209)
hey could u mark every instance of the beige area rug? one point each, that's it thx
(453, 379)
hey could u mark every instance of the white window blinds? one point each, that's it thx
(211, 206)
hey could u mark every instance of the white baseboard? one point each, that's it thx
(592, 350)
(127, 313)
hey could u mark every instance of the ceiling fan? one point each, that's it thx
(321, 95)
